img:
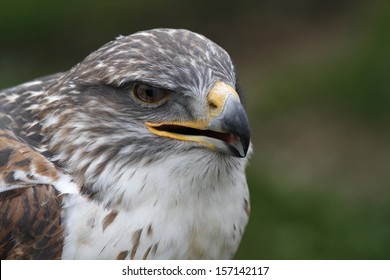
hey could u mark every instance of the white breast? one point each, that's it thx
(167, 211)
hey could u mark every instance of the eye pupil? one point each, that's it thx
(149, 94)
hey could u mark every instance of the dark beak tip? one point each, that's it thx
(245, 146)
(244, 136)
(239, 147)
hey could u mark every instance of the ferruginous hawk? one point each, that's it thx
(137, 152)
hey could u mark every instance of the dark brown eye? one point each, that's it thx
(149, 94)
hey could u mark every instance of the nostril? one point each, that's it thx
(212, 105)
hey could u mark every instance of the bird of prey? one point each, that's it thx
(137, 152)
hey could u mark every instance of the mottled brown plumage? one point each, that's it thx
(30, 214)
(31, 223)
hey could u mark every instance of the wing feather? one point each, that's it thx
(30, 223)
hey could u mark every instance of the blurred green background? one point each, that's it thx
(316, 78)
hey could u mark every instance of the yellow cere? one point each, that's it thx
(217, 97)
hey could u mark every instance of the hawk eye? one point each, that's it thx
(149, 94)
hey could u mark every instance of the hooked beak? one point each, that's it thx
(225, 128)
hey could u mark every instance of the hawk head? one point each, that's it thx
(145, 97)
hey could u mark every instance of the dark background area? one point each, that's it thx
(316, 78)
